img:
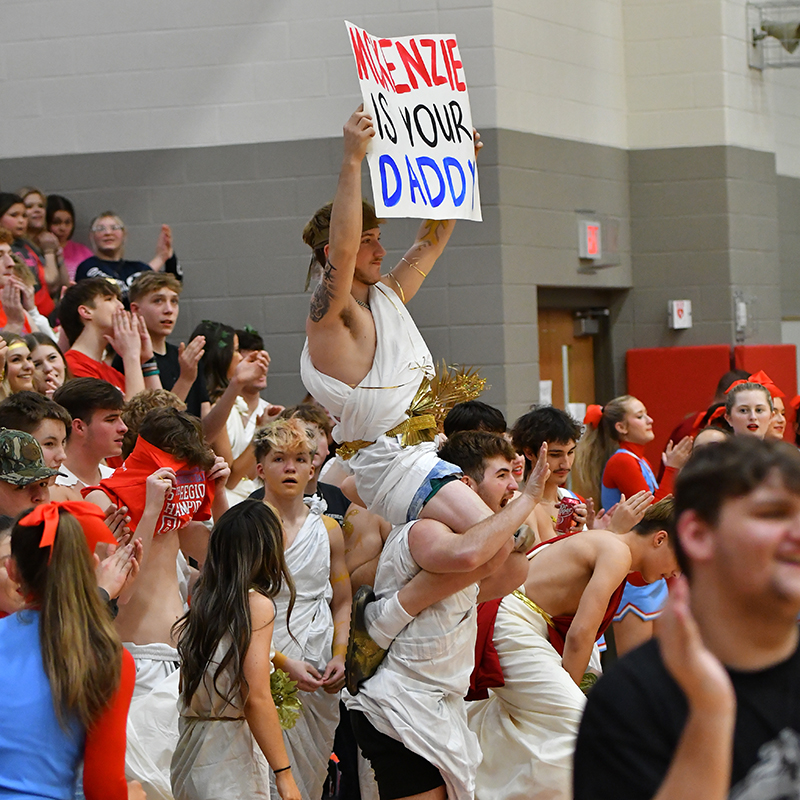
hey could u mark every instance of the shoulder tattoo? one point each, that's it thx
(321, 299)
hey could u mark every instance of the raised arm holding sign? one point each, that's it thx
(421, 161)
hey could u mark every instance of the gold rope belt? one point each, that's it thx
(423, 425)
(435, 396)
(533, 607)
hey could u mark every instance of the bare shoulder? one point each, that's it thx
(610, 547)
(262, 609)
(424, 530)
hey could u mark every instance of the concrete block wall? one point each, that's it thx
(754, 243)
(542, 183)
(674, 73)
(703, 226)
(89, 76)
(789, 245)
(560, 69)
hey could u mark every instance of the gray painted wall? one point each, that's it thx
(703, 227)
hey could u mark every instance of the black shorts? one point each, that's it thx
(398, 771)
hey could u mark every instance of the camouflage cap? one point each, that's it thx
(21, 459)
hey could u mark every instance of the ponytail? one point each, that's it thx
(81, 651)
(597, 445)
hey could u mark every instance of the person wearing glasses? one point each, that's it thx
(107, 237)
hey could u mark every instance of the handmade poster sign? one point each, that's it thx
(422, 159)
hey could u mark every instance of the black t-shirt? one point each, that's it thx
(332, 495)
(122, 272)
(636, 713)
(169, 370)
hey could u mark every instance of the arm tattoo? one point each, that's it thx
(433, 227)
(321, 300)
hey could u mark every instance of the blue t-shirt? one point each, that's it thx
(38, 758)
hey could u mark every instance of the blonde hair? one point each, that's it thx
(10, 339)
(596, 446)
(81, 651)
(286, 436)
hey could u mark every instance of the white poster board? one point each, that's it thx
(422, 158)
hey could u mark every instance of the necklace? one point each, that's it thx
(362, 304)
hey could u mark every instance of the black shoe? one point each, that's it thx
(363, 655)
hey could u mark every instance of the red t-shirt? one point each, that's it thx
(84, 367)
(191, 498)
(106, 740)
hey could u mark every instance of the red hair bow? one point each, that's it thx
(764, 379)
(87, 515)
(594, 414)
(761, 378)
(720, 412)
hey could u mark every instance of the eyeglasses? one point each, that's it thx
(107, 228)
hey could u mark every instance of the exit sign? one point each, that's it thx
(590, 239)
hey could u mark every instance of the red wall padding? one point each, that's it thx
(779, 361)
(673, 382)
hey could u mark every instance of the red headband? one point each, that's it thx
(594, 414)
(88, 515)
(795, 402)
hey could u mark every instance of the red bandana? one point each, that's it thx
(191, 498)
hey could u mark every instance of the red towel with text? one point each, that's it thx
(191, 499)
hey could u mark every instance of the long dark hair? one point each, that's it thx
(81, 651)
(245, 551)
(55, 202)
(218, 355)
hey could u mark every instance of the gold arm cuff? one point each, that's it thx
(415, 268)
(279, 660)
(533, 607)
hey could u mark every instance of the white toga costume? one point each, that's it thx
(532, 721)
(417, 694)
(392, 480)
(310, 742)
